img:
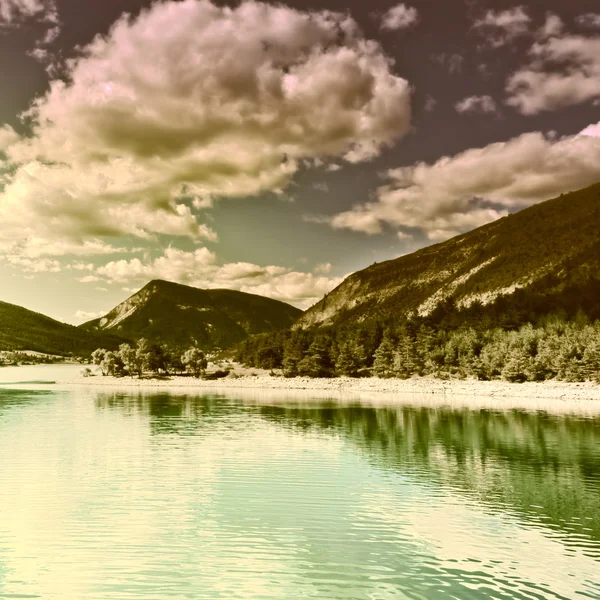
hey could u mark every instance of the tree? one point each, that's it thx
(515, 369)
(108, 365)
(195, 361)
(98, 357)
(142, 356)
(347, 363)
(405, 358)
(293, 354)
(316, 362)
(383, 365)
(128, 356)
(158, 359)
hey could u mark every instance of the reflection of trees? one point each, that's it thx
(545, 467)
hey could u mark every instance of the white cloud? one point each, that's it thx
(399, 17)
(479, 185)
(591, 20)
(502, 27)
(562, 71)
(201, 269)
(8, 137)
(189, 101)
(430, 103)
(553, 27)
(33, 265)
(80, 266)
(592, 130)
(34, 247)
(83, 315)
(322, 269)
(14, 11)
(483, 104)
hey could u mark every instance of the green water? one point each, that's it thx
(122, 496)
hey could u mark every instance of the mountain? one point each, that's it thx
(22, 329)
(179, 316)
(543, 258)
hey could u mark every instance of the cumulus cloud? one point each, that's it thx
(84, 315)
(553, 26)
(189, 101)
(592, 130)
(399, 17)
(591, 20)
(200, 268)
(479, 185)
(8, 137)
(562, 71)
(15, 11)
(483, 104)
(33, 265)
(502, 27)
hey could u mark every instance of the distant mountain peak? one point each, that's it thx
(180, 315)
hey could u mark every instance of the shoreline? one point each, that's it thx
(385, 389)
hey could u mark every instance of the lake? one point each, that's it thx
(123, 495)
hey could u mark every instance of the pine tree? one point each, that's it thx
(383, 363)
(293, 353)
(351, 359)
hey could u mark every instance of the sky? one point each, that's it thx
(275, 148)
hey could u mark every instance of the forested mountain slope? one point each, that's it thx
(22, 329)
(544, 258)
(179, 315)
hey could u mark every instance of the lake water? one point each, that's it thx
(116, 495)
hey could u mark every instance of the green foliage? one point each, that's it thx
(195, 361)
(556, 349)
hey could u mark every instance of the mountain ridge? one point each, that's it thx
(559, 238)
(24, 329)
(180, 315)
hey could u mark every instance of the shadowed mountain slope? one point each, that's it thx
(179, 315)
(22, 329)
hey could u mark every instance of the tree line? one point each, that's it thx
(552, 349)
(145, 357)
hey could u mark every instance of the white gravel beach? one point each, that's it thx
(550, 395)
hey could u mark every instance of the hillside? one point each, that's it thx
(179, 315)
(22, 329)
(546, 256)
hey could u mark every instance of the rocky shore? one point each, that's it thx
(549, 395)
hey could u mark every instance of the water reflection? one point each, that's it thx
(545, 466)
(121, 496)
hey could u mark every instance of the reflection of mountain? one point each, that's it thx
(544, 467)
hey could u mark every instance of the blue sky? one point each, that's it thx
(275, 148)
